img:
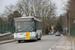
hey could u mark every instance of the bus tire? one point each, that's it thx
(40, 37)
(19, 41)
(36, 38)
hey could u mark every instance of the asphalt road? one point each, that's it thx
(45, 43)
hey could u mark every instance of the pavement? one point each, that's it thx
(72, 38)
(6, 41)
(48, 42)
(63, 44)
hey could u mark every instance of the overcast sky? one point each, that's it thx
(59, 5)
(4, 3)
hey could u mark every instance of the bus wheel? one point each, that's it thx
(39, 38)
(19, 41)
(36, 38)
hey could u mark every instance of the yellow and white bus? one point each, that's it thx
(27, 28)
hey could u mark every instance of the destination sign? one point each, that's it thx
(16, 20)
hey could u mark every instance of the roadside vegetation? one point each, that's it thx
(70, 11)
(59, 24)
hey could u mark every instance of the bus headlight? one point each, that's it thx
(15, 35)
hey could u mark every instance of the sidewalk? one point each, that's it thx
(63, 44)
(6, 41)
(72, 38)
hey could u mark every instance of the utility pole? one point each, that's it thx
(66, 24)
(69, 23)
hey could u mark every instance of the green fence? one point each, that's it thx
(72, 32)
(6, 28)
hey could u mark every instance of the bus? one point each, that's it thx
(27, 28)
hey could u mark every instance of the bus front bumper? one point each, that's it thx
(31, 38)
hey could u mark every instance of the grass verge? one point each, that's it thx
(72, 38)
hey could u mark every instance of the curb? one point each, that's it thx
(71, 41)
(7, 42)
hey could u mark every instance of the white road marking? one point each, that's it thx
(49, 49)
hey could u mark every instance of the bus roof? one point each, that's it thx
(28, 17)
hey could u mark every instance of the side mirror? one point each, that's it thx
(35, 29)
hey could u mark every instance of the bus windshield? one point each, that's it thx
(24, 26)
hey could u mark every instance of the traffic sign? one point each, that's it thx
(74, 21)
(66, 28)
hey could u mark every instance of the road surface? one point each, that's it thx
(45, 43)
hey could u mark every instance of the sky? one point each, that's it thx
(59, 5)
(4, 3)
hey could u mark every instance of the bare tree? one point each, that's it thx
(71, 11)
(9, 9)
(42, 9)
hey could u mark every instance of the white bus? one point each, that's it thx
(27, 28)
